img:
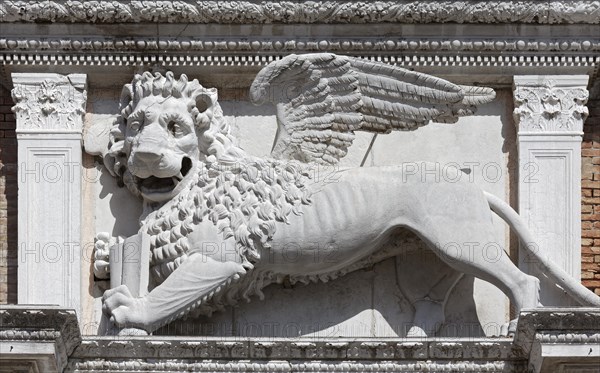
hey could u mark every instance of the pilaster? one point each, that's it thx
(49, 111)
(549, 114)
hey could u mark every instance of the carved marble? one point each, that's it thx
(210, 208)
(550, 103)
(547, 340)
(38, 338)
(49, 110)
(49, 102)
(253, 44)
(549, 114)
(560, 339)
(302, 354)
(333, 11)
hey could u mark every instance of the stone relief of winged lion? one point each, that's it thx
(172, 147)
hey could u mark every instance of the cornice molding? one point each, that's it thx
(543, 323)
(30, 326)
(332, 11)
(486, 64)
(248, 45)
(488, 54)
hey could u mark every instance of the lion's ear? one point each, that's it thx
(203, 102)
(203, 111)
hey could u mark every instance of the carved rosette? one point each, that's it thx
(548, 107)
(49, 102)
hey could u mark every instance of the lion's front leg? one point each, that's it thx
(198, 277)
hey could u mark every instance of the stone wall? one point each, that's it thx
(590, 190)
(8, 200)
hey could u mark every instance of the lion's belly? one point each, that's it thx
(346, 221)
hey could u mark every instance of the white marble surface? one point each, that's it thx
(49, 110)
(549, 114)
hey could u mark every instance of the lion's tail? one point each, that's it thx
(574, 288)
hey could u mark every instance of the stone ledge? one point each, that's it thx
(37, 338)
(297, 355)
(47, 339)
(560, 339)
(151, 347)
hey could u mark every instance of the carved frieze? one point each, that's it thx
(548, 105)
(299, 355)
(331, 11)
(294, 366)
(49, 102)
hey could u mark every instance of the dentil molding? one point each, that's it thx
(333, 11)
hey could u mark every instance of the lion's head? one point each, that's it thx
(165, 128)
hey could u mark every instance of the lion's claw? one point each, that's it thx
(122, 308)
(102, 245)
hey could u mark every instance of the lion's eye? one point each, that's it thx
(135, 126)
(174, 128)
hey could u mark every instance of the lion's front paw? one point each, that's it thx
(102, 244)
(122, 308)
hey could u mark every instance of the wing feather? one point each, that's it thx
(322, 99)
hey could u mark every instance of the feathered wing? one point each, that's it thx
(323, 98)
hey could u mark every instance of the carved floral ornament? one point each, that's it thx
(51, 104)
(550, 108)
(333, 11)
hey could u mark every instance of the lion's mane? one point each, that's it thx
(243, 201)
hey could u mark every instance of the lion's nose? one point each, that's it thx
(144, 163)
(150, 158)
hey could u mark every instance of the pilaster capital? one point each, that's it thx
(49, 103)
(550, 103)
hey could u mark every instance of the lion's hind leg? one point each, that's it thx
(459, 229)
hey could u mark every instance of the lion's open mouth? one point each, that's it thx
(154, 184)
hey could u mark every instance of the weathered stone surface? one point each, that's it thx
(556, 339)
(38, 339)
(331, 11)
(549, 114)
(49, 110)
